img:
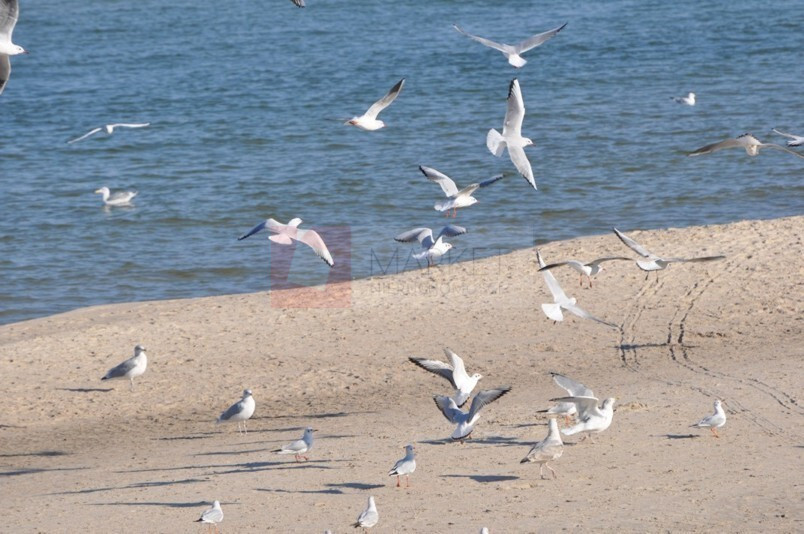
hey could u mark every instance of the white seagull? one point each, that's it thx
(300, 446)
(368, 121)
(513, 52)
(688, 100)
(454, 372)
(655, 263)
(714, 421)
(549, 449)
(466, 421)
(287, 233)
(511, 136)
(131, 368)
(298, 3)
(795, 140)
(368, 517)
(591, 417)
(212, 516)
(455, 198)
(585, 269)
(9, 13)
(432, 249)
(109, 129)
(573, 389)
(751, 144)
(240, 411)
(562, 301)
(118, 198)
(405, 466)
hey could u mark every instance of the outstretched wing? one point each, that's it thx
(483, 41)
(298, 3)
(436, 367)
(451, 230)
(446, 183)
(574, 388)
(633, 245)
(728, 143)
(515, 113)
(598, 261)
(91, 132)
(580, 312)
(496, 178)
(314, 241)
(485, 397)
(586, 405)
(536, 40)
(422, 235)
(448, 408)
(522, 164)
(780, 147)
(689, 260)
(385, 101)
(552, 284)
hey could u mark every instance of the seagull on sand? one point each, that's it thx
(287, 233)
(513, 53)
(405, 466)
(549, 449)
(454, 372)
(751, 144)
(655, 263)
(300, 446)
(9, 13)
(795, 140)
(562, 301)
(573, 389)
(368, 121)
(455, 198)
(240, 411)
(432, 249)
(585, 269)
(368, 517)
(119, 198)
(466, 421)
(592, 418)
(714, 421)
(688, 100)
(131, 368)
(511, 136)
(109, 129)
(212, 516)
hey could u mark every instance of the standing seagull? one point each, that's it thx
(511, 136)
(369, 517)
(454, 372)
(796, 140)
(300, 446)
(131, 368)
(455, 199)
(368, 121)
(573, 389)
(585, 269)
(513, 52)
(9, 13)
(591, 417)
(466, 421)
(714, 421)
(432, 249)
(405, 466)
(751, 144)
(109, 129)
(240, 411)
(119, 198)
(549, 449)
(688, 100)
(212, 516)
(656, 263)
(287, 233)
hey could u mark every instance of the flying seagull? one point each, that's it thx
(432, 249)
(714, 421)
(9, 13)
(513, 52)
(688, 100)
(795, 140)
(573, 389)
(240, 411)
(592, 418)
(368, 121)
(131, 368)
(300, 446)
(511, 136)
(109, 129)
(656, 263)
(585, 269)
(405, 466)
(466, 421)
(454, 372)
(751, 144)
(298, 3)
(119, 198)
(212, 516)
(455, 198)
(285, 234)
(369, 517)
(549, 449)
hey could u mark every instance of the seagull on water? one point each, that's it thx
(714, 421)
(432, 249)
(562, 301)
(513, 53)
(585, 269)
(118, 198)
(751, 144)
(405, 466)
(240, 411)
(795, 140)
(287, 233)
(9, 13)
(455, 198)
(368, 121)
(212, 516)
(511, 136)
(655, 263)
(688, 100)
(549, 449)
(454, 372)
(368, 517)
(573, 389)
(109, 129)
(466, 421)
(131, 368)
(592, 418)
(300, 446)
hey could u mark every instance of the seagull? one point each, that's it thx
(549, 449)
(585, 269)
(212, 516)
(656, 263)
(466, 420)
(796, 140)
(511, 136)
(455, 199)
(131, 368)
(561, 300)
(298, 3)
(109, 129)
(120, 198)
(513, 52)
(455, 373)
(688, 100)
(714, 421)
(751, 144)
(9, 13)
(368, 517)
(405, 466)
(368, 121)
(300, 446)
(573, 389)
(240, 411)
(591, 417)
(287, 233)
(432, 250)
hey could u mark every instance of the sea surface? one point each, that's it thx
(246, 101)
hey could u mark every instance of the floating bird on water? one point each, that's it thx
(714, 421)
(287, 233)
(109, 129)
(405, 466)
(454, 372)
(751, 144)
(513, 53)
(240, 411)
(118, 198)
(466, 421)
(511, 137)
(131, 368)
(368, 121)
(9, 13)
(455, 198)
(688, 100)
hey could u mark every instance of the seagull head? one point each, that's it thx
(476, 377)
(246, 393)
(139, 349)
(17, 50)
(102, 190)
(528, 141)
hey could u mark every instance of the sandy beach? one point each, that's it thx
(81, 455)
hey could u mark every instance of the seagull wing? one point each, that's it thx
(213, 515)
(253, 231)
(451, 230)
(791, 136)
(633, 245)
(693, 260)
(121, 369)
(574, 388)
(91, 132)
(446, 183)
(560, 264)
(515, 112)
(536, 40)
(130, 125)
(552, 284)
(448, 408)
(9, 13)
(598, 261)
(728, 143)
(481, 40)
(487, 396)
(385, 101)
(436, 367)
(486, 183)
(586, 405)
(580, 312)
(314, 241)
(780, 147)
(298, 3)
(231, 411)
(5, 71)
(459, 374)
(422, 235)
(520, 161)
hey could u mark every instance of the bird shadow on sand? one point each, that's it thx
(40, 453)
(331, 491)
(488, 440)
(201, 435)
(230, 453)
(197, 504)
(135, 485)
(356, 485)
(86, 390)
(680, 436)
(34, 471)
(485, 479)
(315, 416)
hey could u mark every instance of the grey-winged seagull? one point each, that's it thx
(118, 198)
(405, 466)
(285, 234)
(511, 137)
(588, 270)
(432, 249)
(795, 140)
(592, 417)
(654, 262)
(549, 449)
(713, 421)
(688, 100)
(751, 144)
(454, 372)
(300, 446)
(455, 198)
(513, 53)
(9, 13)
(368, 120)
(465, 421)
(239, 412)
(109, 129)
(131, 368)
(573, 389)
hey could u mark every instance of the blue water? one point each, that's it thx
(243, 97)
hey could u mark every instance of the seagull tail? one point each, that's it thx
(495, 142)
(524, 460)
